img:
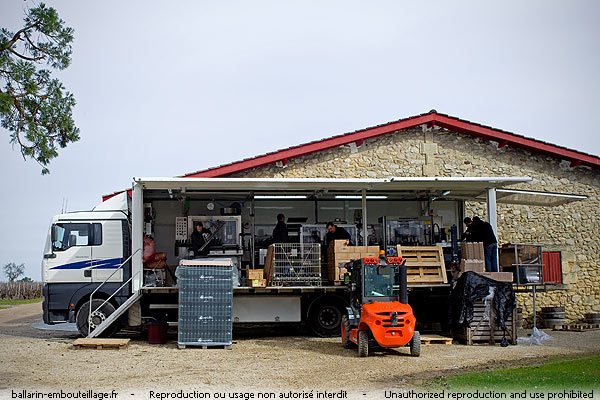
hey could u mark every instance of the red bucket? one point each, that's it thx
(157, 333)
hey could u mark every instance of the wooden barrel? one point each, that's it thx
(592, 318)
(552, 316)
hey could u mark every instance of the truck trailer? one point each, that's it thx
(93, 270)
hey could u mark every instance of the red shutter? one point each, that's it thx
(552, 267)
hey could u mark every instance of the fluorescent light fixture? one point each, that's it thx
(446, 193)
(280, 197)
(355, 197)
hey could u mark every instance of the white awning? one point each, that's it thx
(533, 198)
(470, 186)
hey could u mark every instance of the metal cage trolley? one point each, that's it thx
(296, 264)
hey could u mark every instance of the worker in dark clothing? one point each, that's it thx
(280, 233)
(473, 233)
(335, 233)
(481, 231)
(198, 238)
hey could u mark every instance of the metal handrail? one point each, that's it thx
(112, 295)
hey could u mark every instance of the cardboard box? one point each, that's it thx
(255, 274)
(370, 254)
(256, 282)
(373, 249)
(339, 244)
(498, 276)
(336, 273)
(472, 251)
(472, 265)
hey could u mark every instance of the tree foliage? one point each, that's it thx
(13, 271)
(34, 107)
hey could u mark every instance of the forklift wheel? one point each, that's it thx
(346, 342)
(415, 344)
(363, 343)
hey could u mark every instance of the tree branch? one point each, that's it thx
(17, 36)
(26, 58)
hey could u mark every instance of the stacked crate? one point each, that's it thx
(473, 259)
(482, 330)
(205, 303)
(339, 253)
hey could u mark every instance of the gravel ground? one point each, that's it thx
(35, 359)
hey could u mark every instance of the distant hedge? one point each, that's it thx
(20, 290)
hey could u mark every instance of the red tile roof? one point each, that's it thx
(432, 118)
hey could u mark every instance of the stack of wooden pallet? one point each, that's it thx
(424, 264)
(481, 330)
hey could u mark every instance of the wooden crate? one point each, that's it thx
(480, 330)
(424, 264)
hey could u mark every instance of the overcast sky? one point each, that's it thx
(169, 87)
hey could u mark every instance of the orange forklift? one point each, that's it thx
(377, 316)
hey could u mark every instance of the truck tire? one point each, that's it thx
(325, 319)
(82, 315)
(346, 342)
(363, 343)
(415, 344)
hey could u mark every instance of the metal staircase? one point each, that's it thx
(115, 315)
(119, 311)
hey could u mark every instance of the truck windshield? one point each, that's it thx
(378, 285)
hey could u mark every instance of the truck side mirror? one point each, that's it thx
(53, 234)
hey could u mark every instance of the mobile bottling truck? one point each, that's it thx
(93, 272)
(95, 258)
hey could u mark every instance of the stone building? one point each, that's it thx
(437, 145)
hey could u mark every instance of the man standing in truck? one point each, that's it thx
(280, 233)
(336, 233)
(198, 240)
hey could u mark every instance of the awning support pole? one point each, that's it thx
(137, 236)
(364, 217)
(491, 210)
(253, 231)
(492, 214)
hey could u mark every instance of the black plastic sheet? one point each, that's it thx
(472, 287)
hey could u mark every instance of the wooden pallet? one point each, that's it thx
(203, 346)
(431, 339)
(576, 327)
(424, 264)
(480, 330)
(98, 343)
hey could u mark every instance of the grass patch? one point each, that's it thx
(553, 374)
(11, 302)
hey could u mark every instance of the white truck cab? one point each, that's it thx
(82, 250)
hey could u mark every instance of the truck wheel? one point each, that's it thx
(363, 343)
(325, 319)
(97, 318)
(415, 344)
(346, 342)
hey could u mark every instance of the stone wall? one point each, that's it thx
(573, 228)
